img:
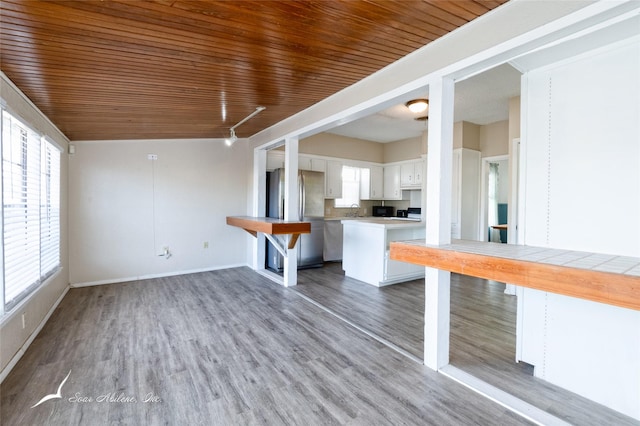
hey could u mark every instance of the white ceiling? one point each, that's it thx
(481, 99)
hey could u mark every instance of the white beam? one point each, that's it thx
(438, 217)
(291, 206)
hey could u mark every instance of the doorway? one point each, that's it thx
(494, 199)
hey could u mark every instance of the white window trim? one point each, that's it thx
(53, 270)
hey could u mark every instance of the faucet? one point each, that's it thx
(353, 212)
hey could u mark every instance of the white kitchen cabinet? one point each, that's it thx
(332, 250)
(333, 179)
(465, 194)
(275, 160)
(420, 172)
(391, 179)
(377, 183)
(392, 182)
(371, 183)
(366, 250)
(311, 163)
(411, 174)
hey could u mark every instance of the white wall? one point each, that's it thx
(125, 208)
(328, 144)
(37, 306)
(582, 157)
(494, 139)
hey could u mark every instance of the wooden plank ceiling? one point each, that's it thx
(103, 70)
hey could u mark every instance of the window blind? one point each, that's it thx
(31, 209)
(49, 210)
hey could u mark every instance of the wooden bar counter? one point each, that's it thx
(614, 280)
(271, 226)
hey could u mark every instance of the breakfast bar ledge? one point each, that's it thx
(271, 226)
(610, 279)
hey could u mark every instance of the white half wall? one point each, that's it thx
(582, 180)
(124, 208)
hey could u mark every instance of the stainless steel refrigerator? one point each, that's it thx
(310, 209)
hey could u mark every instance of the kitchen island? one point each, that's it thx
(365, 254)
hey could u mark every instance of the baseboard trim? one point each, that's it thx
(508, 401)
(151, 276)
(5, 372)
(278, 279)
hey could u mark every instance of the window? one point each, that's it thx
(30, 209)
(350, 187)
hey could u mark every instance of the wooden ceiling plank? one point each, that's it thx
(158, 69)
(122, 47)
(148, 36)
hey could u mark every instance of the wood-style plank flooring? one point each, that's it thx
(482, 339)
(222, 348)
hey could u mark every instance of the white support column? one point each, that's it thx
(438, 217)
(291, 206)
(259, 204)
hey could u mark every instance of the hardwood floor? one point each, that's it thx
(482, 334)
(226, 347)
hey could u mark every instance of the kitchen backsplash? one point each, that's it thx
(363, 210)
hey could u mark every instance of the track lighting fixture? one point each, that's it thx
(232, 131)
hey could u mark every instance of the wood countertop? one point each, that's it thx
(610, 279)
(271, 226)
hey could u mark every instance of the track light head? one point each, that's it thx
(232, 138)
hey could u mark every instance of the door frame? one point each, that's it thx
(484, 181)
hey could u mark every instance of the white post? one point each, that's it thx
(291, 206)
(514, 202)
(438, 216)
(259, 203)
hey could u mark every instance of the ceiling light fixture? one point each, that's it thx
(232, 131)
(418, 105)
(232, 138)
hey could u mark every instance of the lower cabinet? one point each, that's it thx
(332, 251)
(366, 250)
(395, 272)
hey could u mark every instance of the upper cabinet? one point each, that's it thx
(392, 189)
(311, 163)
(333, 179)
(275, 160)
(371, 183)
(411, 174)
(377, 181)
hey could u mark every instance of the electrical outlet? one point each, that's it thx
(152, 157)
(206, 244)
(24, 322)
